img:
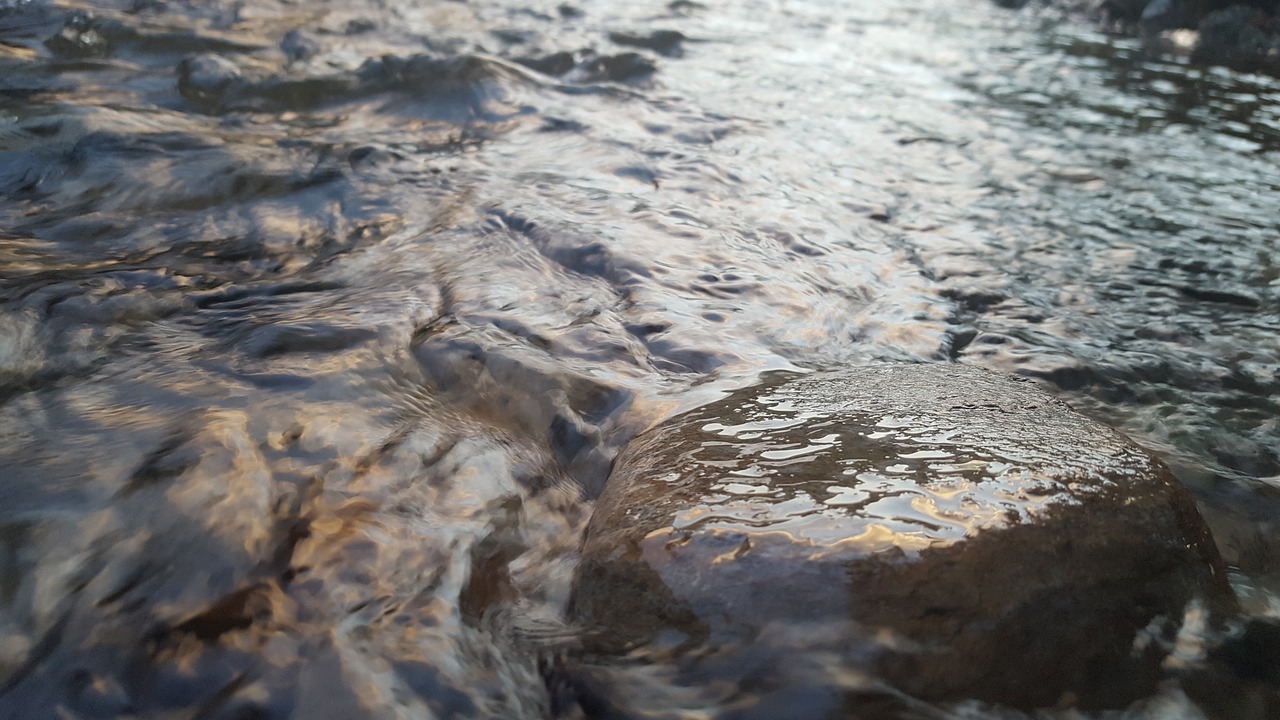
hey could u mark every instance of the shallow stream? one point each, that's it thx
(321, 322)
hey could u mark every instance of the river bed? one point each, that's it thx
(323, 321)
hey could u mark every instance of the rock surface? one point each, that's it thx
(951, 532)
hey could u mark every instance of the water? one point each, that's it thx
(315, 347)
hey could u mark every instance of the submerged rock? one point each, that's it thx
(205, 79)
(663, 42)
(948, 532)
(1239, 36)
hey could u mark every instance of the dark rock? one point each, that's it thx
(1254, 653)
(463, 84)
(554, 64)
(360, 26)
(204, 79)
(1156, 15)
(949, 531)
(272, 340)
(663, 42)
(80, 38)
(1241, 680)
(1239, 36)
(1244, 34)
(297, 46)
(624, 67)
(514, 36)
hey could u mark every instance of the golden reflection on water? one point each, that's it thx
(866, 481)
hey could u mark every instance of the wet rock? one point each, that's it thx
(663, 42)
(1241, 679)
(1156, 15)
(304, 338)
(1244, 34)
(514, 36)
(585, 66)
(298, 46)
(213, 83)
(1239, 36)
(205, 79)
(948, 531)
(360, 26)
(554, 64)
(461, 86)
(79, 38)
(623, 68)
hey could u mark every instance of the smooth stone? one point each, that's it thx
(951, 532)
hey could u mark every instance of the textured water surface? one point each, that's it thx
(321, 322)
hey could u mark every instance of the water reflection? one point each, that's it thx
(819, 478)
(322, 321)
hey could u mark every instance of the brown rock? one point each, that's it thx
(952, 532)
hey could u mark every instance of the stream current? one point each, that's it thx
(321, 322)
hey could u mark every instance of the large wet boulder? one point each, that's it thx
(950, 532)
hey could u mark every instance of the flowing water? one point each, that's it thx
(322, 321)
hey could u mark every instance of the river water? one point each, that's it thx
(322, 321)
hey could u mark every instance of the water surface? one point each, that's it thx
(322, 322)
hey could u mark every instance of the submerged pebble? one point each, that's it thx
(206, 79)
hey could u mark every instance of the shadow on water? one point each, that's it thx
(321, 324)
